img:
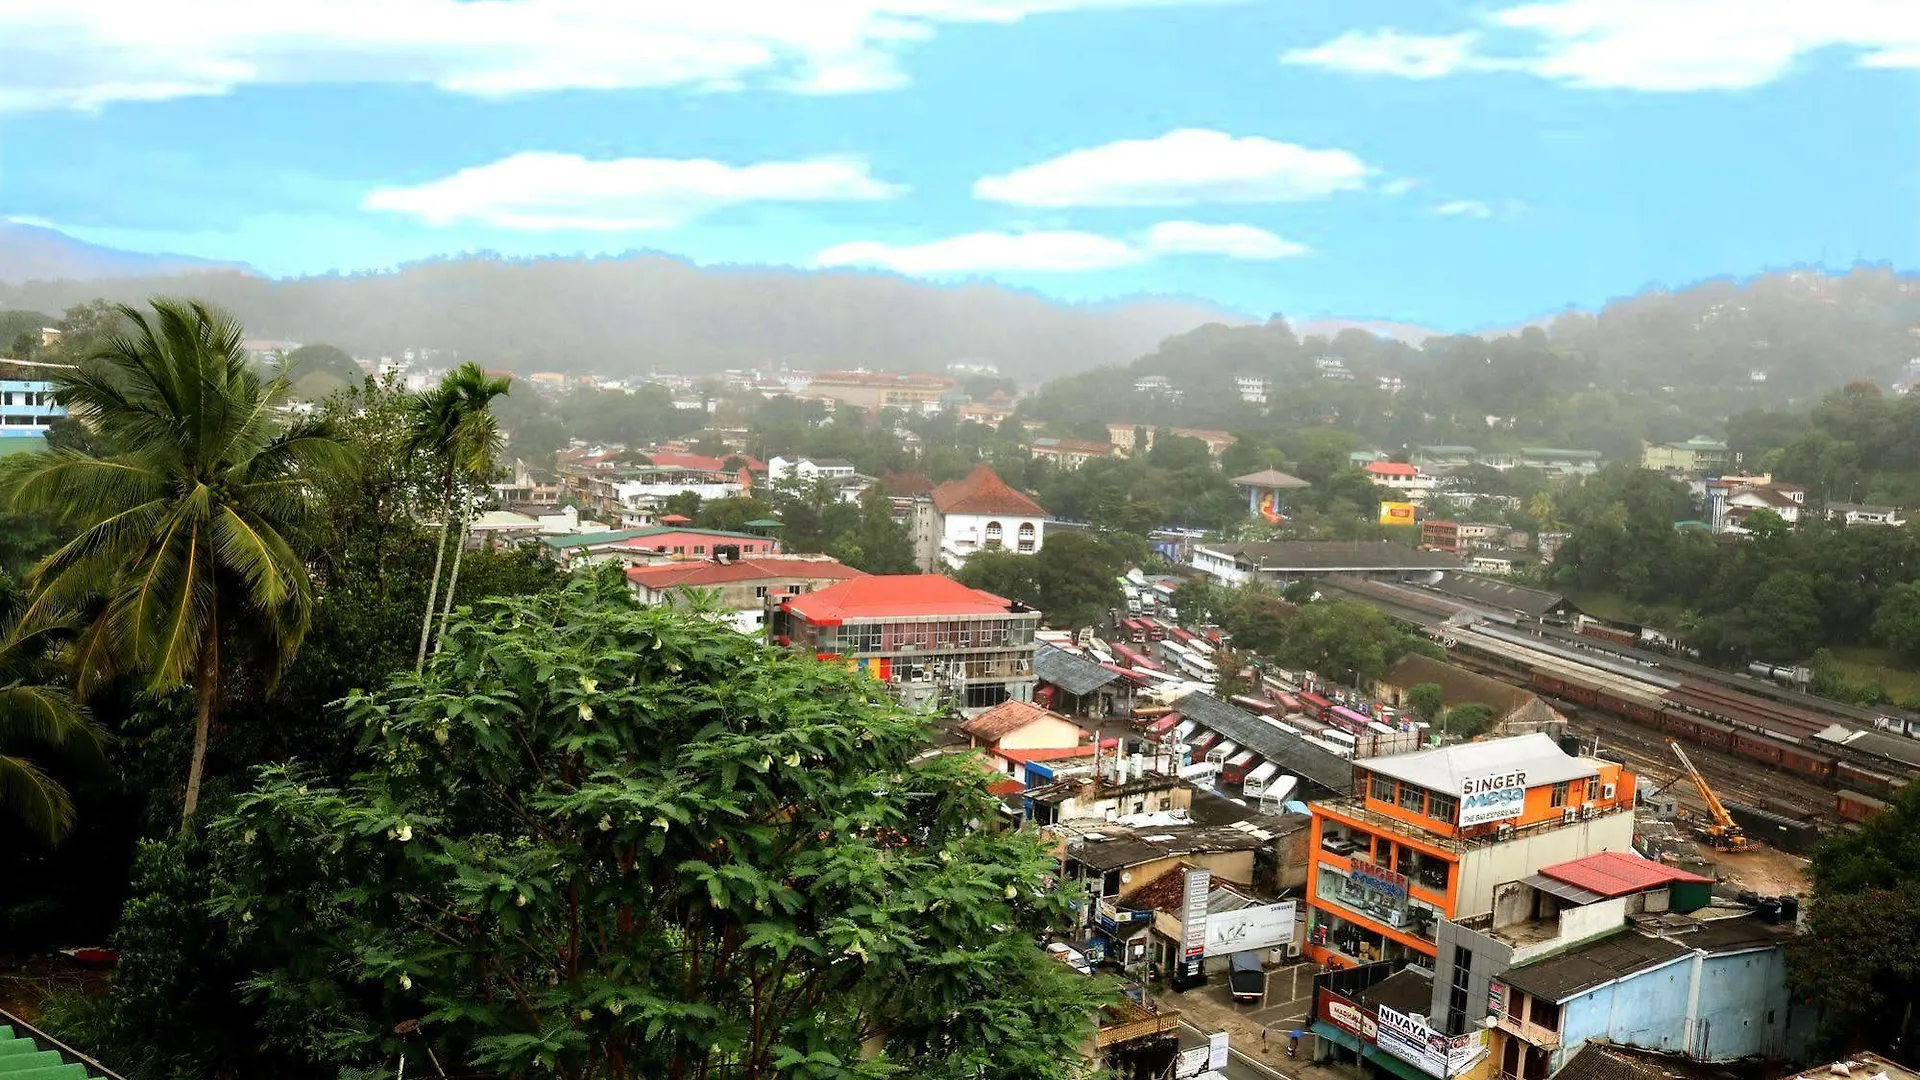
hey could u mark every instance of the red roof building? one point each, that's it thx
(983, 492)
(747, 587)
(1397, 470)
(928, 637)
(1613, 873)
(979, 512)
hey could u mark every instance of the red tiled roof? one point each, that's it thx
(983, 492)
(894, 595)
(700, 574)
(1004, 719)
(1006, 787)
(1611, 873)
(1391, 468)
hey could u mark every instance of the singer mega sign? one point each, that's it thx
(1496, 797)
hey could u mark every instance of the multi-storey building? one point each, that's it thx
(746, 588)
(976, 513)
(1428, 836)
(27, 408)
(1071, 453)
(928, 637)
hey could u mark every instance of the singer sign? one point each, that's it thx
(1499, 797)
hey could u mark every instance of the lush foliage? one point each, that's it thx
(38, 720)
(188, 549)
(1859, 961)
(1074, 579)
(600, 840)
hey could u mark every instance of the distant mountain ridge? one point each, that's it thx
(624, 315)
(37, 253)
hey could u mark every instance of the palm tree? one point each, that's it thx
(187, 533)
(455, 423)
(37, 716)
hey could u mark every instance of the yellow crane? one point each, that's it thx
(1724, 833)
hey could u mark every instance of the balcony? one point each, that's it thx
(1354, 807)
(1528, 1032)
(1130, 1021)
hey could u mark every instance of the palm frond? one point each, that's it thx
(36, 799)
(48, 716)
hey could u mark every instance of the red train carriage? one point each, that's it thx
(1853, 806)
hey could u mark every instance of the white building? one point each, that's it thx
(808, 469)
(976, 513)
(1402, 479)
(1253, 389)
(1858, 514)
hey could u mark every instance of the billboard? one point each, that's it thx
(1396, 513)
(1410, 1039)
(1193, 912)
(1261, 926)
(1499, 797)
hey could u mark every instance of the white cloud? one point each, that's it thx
(88, 53)
(566, 191)
(1233, 241)
(1473, 208)
(1651, 45)
(1180, 168)
(1062, 250)
(1399, 185)
(1389, 52)
(1045, 251)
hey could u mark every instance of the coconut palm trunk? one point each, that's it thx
(206, 698)
(453, 579)
(433, 591)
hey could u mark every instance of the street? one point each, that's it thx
(1241, 1063)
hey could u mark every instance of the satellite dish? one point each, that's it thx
(1126, 876)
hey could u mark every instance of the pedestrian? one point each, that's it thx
(1293, 1044)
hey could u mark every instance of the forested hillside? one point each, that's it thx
(638, 313)
(1660, 366)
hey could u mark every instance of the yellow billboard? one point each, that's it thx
(1396, 513)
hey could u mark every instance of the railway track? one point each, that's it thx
(1734, 778)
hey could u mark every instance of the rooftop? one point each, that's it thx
(1458, 686)
(1293, 754)
(1074, 674)
(1447, 769)
(1332, 555)
(1498, 594)
(706, 573)
(1006, 718)
(1391, 468)
(1271, 478)
(983, 492)
(1598, 1060)
(905, 484)
(1612, 873)
(894, 596)
(1649, 941)
(1409, 990)
(1863, 1066)
(1112, 847)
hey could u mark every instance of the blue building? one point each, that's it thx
(1624, 950)
(27, 409)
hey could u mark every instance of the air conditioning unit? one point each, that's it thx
(1504, 832)
(1293, 950)
(1588, 813)
(1569, 814)
(1606, 791)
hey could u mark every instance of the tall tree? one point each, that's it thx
(189, 536)
(597, 840)
(455, 423)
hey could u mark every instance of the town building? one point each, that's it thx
(1402, 479)
(880, 389)
(1253, 388)
(927, 637)
(27, 410)
(1444, 459)
(1071, 453)
(1428, 836)
(744, 588)
(1012, 730)
(1440, 536)
(1081, 687)
(978, 512)
(1729, 507)
(1378, 1013)
(806, 470)
(1282, 562)
(657, 543)
(1560, 462)
(1860, 514)
(1617, 948)
(1702, 454)
(1267, 493)
(1154, 384)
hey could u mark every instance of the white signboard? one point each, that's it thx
(1259, 927)
(1410, 1039)
(1217, 1050)
(1191, 1062)
(1499, 797)
(1193, 912)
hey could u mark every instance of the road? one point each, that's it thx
(1240, 1066)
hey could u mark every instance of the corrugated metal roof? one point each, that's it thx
(1295, 755)
(1612, 873)
(1446, 768)
(1074, 674)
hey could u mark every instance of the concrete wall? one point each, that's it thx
(1044, 733)
(1484, 868)
(1487, 959)
(1716, 1008)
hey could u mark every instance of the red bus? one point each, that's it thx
(1315, 706)
(1288, 702)
(1238, 766)
(1347, 720)
(1253, 704)
(1156, 630)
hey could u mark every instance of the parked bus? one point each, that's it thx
(1259, 706)
(1347, 720)
(1315, 706)
(1199, 667)
(1238, 766)
(1338, 741)
(1268, 780)
(1277, 725)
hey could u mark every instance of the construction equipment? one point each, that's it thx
(1724, 834)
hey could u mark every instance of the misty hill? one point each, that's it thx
(642, 312)
(34, 253)
(1659, 365)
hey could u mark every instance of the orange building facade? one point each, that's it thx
(1430, 835)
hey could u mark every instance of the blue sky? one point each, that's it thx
(1446, 164)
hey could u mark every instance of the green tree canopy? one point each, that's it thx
(596, 840)
(1426, 700)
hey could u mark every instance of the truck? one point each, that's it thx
(1246, 977)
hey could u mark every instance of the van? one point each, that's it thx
(1246, 977)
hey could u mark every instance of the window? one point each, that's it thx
(1560, 793)
(1413, 798)
(699, 549)
(1382, 789)
(1457, 990)
(1593, 790)
(1444, 807)
(680, 550)
(993, 536)
(795, 590)
(1516, 1004)
(760, 591)
(1546, 1014)
(1026, 536)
